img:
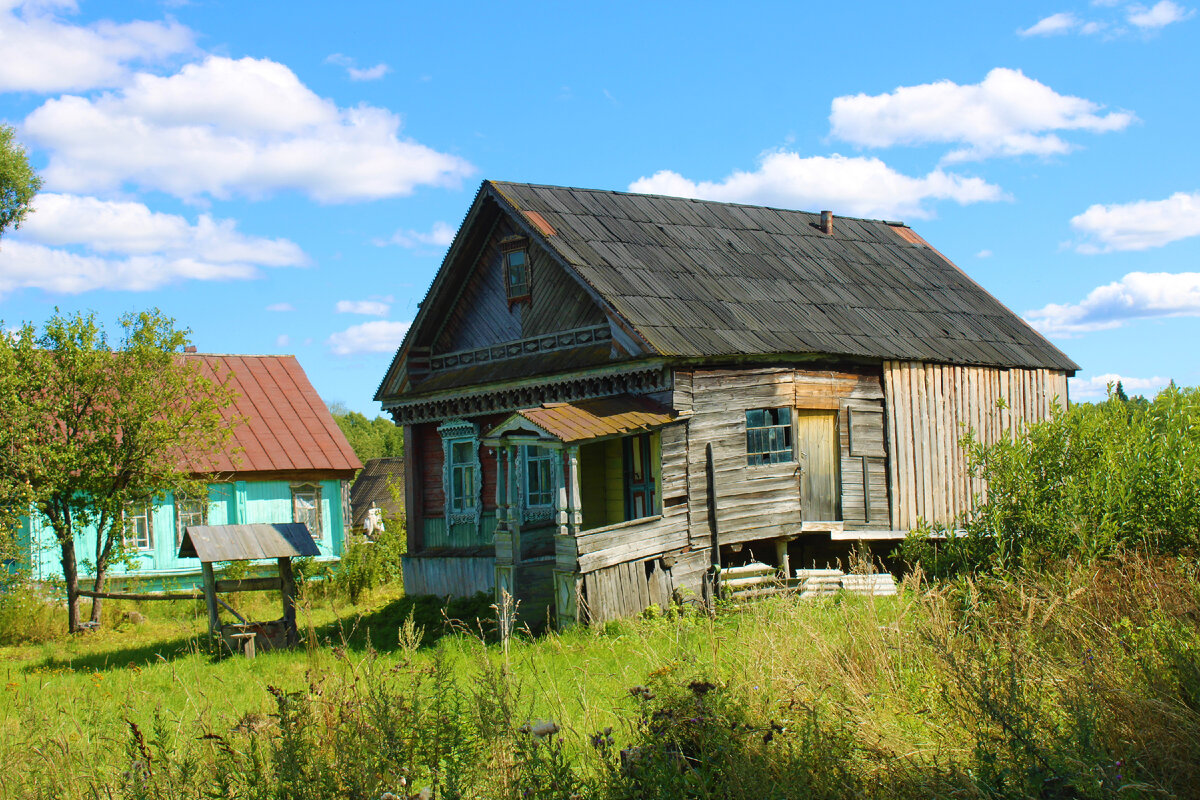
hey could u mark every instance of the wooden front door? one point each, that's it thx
(816, 446)
(639, 477)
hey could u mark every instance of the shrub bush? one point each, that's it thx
(1087, 483)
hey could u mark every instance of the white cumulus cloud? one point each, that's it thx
(1006, 114)
(225, 127)
(371, 308)
(1138, 295)
(1159, 15)
(854, 186)
(440, 235)
(380, 336)
(76, 244)
(1096, 387)
(281, 307)
(1053, 25)
(356, 73)
(43, 53)
(1139, 225)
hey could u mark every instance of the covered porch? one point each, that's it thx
(571, 475)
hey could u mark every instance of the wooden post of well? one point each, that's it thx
(210, 599)
(287, 590)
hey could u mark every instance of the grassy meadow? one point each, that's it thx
(1055, 653)
(1084, 682)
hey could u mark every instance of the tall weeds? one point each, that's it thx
(1081, 682)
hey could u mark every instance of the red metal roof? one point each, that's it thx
(286, 426)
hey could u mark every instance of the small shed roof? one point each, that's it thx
(584, 420)
(246, 542)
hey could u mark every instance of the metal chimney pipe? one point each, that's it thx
(827, 222)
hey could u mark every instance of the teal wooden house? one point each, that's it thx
(287, 462)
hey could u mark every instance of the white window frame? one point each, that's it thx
(182, 501)
(467, 506)
(531, 511)
(145, 512)
(316, 529)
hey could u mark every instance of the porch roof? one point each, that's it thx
(584, 420)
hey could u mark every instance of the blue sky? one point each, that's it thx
(285, 177)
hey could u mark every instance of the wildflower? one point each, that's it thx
(641, 693)
(602, 740)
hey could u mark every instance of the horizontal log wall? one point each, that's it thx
(756, 502)
(928, 406)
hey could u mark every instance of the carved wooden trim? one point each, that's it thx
(577, 337)
(565, 390)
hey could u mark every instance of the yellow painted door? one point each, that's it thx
(816, 445)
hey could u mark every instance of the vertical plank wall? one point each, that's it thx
(929, 406)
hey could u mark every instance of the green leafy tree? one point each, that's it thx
(370, 438)
(18, 182)
(91, 431)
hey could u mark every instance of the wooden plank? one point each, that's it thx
(928, 433)
(904, 455)
(139, 596)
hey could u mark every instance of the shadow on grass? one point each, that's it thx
(436, 616)
(126, 657)
(377, 629)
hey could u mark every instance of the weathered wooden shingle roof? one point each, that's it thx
(698, 279)
(247, 542)
(373, 486)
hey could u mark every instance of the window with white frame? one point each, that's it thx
(306, 507)
(768, 436)
(189, 511)
(461, 471)
(538, 477)
(139, 527)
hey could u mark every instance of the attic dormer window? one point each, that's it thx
(515, 253)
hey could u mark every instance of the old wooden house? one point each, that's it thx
(603, 394)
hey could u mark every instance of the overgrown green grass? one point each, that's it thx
(1082, 682)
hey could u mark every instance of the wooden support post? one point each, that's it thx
(562, 488)
(210, 599)
(574, 497)
(287, 589)
(568, 588)
(514, 519)
(781, 555)
(712, 584)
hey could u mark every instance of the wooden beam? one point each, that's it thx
(248, 585)
(142, 596)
